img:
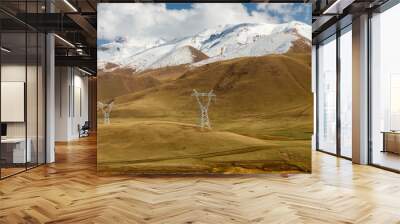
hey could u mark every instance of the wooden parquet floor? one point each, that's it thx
(69, 191)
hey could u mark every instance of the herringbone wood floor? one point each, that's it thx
(69, 191)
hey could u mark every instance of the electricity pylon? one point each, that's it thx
(204, 104)
(106, 109)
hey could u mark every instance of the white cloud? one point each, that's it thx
(284, 11)
(144, 22)
(280, 8)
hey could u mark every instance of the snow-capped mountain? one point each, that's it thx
(114, 51)
(220, 43)
(179, 56)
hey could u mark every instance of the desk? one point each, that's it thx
(391, 141)
(18, 150)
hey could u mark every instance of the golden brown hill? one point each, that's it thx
(172, 147)
(272, 93)
(110, 65)
(300, 45)
(197, 54)
(165, 74)
(116, 70)
(261, 120)
(113, 84)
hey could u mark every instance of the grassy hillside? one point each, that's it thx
(118, 83)
(197, 54)
(171, 147)
(265, 99)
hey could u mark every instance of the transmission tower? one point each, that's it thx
(204, 100)
(106, 109)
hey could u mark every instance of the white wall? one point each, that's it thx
(81, 84)
(12, 73)
(33, 127)
(61, 103)
(71, 94)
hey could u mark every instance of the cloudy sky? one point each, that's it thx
(146, 22)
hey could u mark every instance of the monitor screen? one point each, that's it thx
(3, 129)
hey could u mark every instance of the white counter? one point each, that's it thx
(19, 154)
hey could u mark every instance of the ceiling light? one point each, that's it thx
(70, 5)
(5, 50)
(338, 6)
(79, 51)
(86, 72)
(64, 40)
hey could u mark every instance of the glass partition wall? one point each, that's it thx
(327, 95)
(22, 78)
(13, 89)
(345, 91)
(334, 122)
(334, 93)
(385, 89)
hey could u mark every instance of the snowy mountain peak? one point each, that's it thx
(182, 55)
(215, 44)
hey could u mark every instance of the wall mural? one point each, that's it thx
(204, 88)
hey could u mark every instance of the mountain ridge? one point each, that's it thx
(221, 43)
